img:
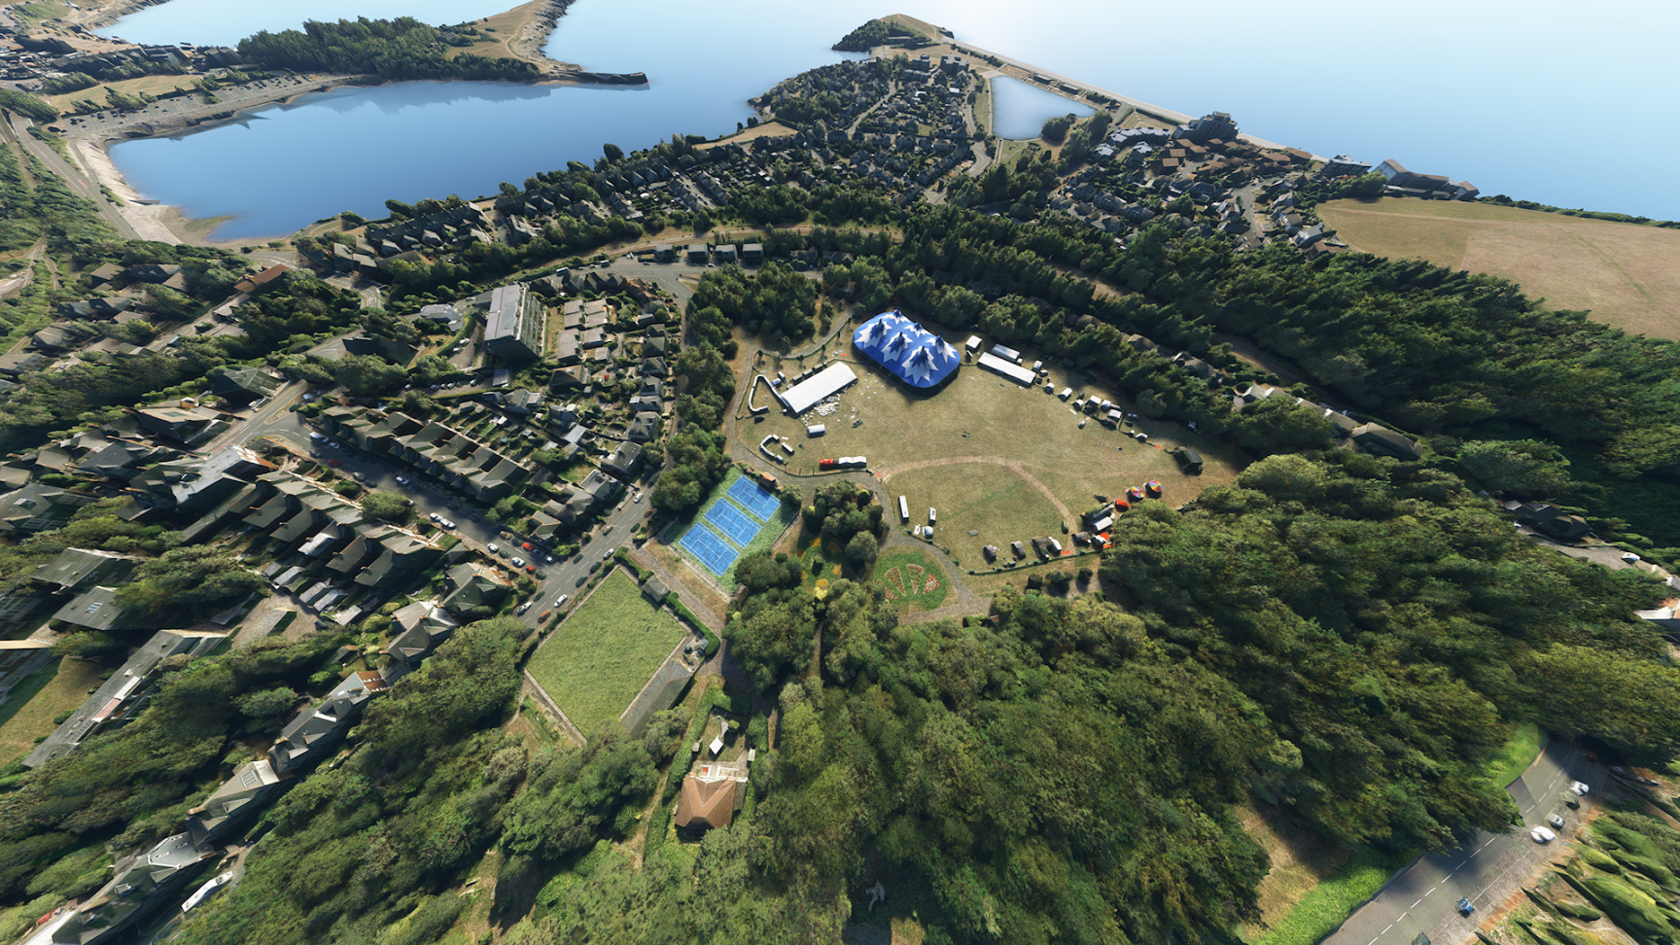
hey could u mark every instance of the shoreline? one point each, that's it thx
(89, 148)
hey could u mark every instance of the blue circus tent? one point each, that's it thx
(918, 358)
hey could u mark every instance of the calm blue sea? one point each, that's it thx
(1508, 98)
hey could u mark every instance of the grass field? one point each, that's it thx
(1328, 903)
(991, 456)
(999, 502)
(62, 686)
(1626, 275)
(149, 84)
(907, 574)
(600, 657)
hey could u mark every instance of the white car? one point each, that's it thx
(1555, 820)
(522, 608)
(402, 480)
(519, 562)
(638, 497)
(1578, 788)
(561, 602)
(493, 548)
(446, 523)
(434, 516)
(1542, 835)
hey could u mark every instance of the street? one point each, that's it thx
(278, 419)
(1487, 869)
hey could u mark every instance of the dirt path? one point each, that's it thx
(887, 472)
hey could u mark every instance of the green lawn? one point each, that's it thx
(1514, 757)
(62, 686)
(1329, 903)
(905, 574)
(600, 657)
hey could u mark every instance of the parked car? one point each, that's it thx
(531, 569)
(446, 523)
(402, 480)
(334, 463)
(494, 548)
(545, 616)
(519, 562)
(1542, 835)
(434, 516)
(561, 602)
(1578, 788)
(522, 608)
(1464, 907)
(1556, 820)
(359, 476)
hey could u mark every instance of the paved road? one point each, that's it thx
(1487, 869)
(277, 419)
(72, 177)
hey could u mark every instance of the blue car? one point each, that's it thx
(1464, 907)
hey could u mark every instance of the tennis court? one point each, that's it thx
(709, 549)
(754, 498)
(732, 522)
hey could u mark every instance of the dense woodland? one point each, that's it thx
(401, 48)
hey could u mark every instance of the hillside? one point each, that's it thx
(1626, 275)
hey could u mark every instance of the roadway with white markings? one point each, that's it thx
(1488, 869)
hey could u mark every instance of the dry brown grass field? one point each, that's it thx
(65, 690)
(992, 457)
(1624, 274)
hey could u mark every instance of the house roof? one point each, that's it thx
(705, 804)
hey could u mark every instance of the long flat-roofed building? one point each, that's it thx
(513, 326)
(1020, 375)
(818, 387)
(915, 356)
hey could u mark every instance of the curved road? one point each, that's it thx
(1487, 869)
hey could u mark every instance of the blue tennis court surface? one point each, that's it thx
(712, 551)
(732, 523)
(754, 498)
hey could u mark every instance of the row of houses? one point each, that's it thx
(431, 448)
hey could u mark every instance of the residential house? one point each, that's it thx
(473, 585)
(1380, 441)
(307, 738)
(235, 803)
(139, 888)
(75, 569)
(419, 629)
(262, 281)
(38, 507)
(624, 461)
(191, 427)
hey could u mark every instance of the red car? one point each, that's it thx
(334, 463)
(527, 546)
(544, 616)
(531, 568)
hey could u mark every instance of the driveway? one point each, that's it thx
(1487, 869)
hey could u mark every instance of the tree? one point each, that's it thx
(200, 577)
(1056, 129)
(613, 152)
(389, 506)
(861, 551)
(1527, 468)
(90, 645)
